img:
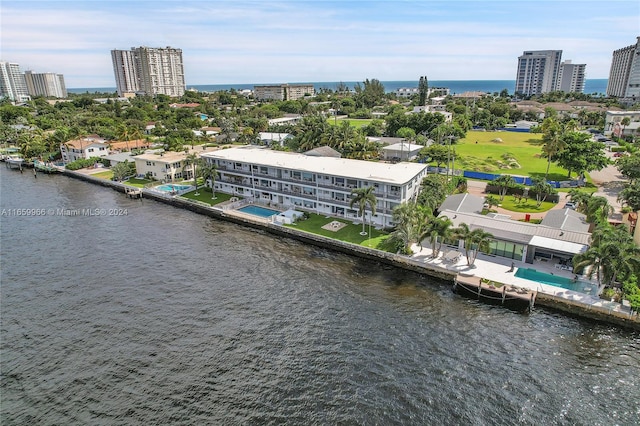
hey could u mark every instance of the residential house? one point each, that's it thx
(403, 151)
(129, 145)
(84, 147)
(525, 241)
(164, 166)
(269, 138)
(321, 185)
(434, 109)
(613, 123)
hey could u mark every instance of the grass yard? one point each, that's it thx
(104, 175)
(205, 196)
(138, 183)
(517, 154)
(525, 206)
(350, 233)
(354, 122)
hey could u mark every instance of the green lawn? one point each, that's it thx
(354, 122)
(350, 233)
(517, 154)
(139, 183)
(104, 175)
(525, 206)
(205, 196)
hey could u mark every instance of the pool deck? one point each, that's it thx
(499, 269)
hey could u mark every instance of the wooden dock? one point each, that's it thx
(511, 297)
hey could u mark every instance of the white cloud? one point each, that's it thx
(236, 42)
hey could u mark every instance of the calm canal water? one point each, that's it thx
(162, 316)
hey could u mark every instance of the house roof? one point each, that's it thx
(323, 151)
(513, 230)
(403, 146)
(136, 143)
(120, 156)
(398, 173)
(86, 142)
(466, 202)
(566, 219)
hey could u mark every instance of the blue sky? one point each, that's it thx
(226, 42)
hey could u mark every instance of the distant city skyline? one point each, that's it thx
(226, 42)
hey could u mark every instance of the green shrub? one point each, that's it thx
(83, 162)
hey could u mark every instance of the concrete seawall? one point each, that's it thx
(442, 276)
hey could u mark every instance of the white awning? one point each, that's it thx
(558, 245)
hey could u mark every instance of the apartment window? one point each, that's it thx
(90, 150)
(264, 170)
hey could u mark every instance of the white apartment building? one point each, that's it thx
(624, 75)
(83, 148)
(571, 77)
(407, 92)
(164, 166)
(124, 69)
(46, 84)
(12, 82)
(321, 185)
(283, 92)
(149, 70)
(538, 71)
(613, 123)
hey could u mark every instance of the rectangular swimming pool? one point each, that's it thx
(258, 211)
(556, 281)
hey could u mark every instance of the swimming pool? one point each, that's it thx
(259, 211)
(556, 281)
(172, 187)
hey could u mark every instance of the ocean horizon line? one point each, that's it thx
(592, 86)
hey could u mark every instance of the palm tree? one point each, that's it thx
(612, 254)
(438, 230)
(491, 201)
(598, 209)
(504, 182)
(194, 161)
(581, 198)
(542, 188)
(475, 241)
(209, 171)
(552, 138)
(364, 197)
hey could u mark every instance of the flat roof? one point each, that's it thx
(398, 173)
(514, 230)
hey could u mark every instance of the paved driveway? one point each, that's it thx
(609, 182)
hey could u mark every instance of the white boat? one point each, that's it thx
(14, 160)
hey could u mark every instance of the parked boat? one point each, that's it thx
(14, 161)
(45, 167)
(510, 297)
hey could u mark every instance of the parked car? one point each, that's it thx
(570, 205)
(619, 154)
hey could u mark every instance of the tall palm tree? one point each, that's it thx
(504, 182)
(194, 161)
(475, 241)
(542, 188)
(364, 197)
(581, 198)
(552, 138)
(598, 209)
(438, 230)
(612, 254)
(209, 171)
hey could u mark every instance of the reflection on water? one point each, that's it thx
(164, 316)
